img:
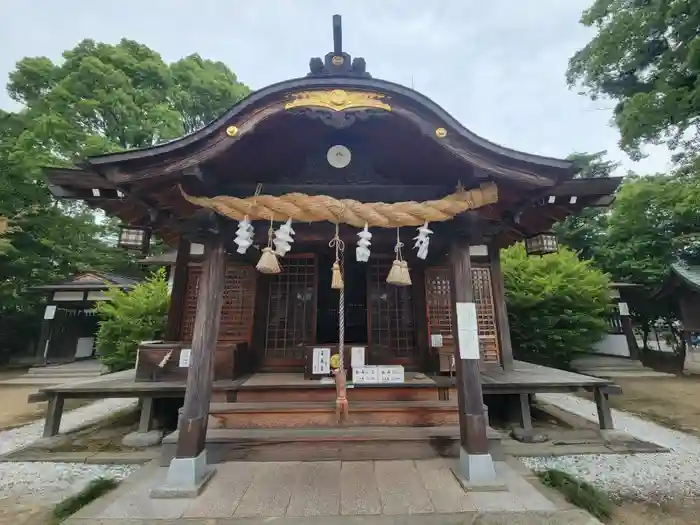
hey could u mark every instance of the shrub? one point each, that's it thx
(557, 305)
(95, 489)
(579, 493)
(129, 318)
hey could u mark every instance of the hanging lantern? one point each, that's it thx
(399, 274)
(283, 238)
(134, 238)
(268, 262)
(244, 235)
(362, 251)
(422, 241)
(541, 244)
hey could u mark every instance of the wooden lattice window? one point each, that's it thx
(291, 316)
(437, 286)
(392, 325)
(237, 308)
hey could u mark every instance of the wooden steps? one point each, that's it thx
(327, 393)
(421, 413)
(330, 443)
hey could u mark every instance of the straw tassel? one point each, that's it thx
(399, 274)
(337, 277)
(337, 280)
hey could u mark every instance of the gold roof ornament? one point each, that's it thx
(337, 100)
(316, 208)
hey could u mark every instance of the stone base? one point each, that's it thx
(528, 436)
(476, 473)
(51, 442)
(143, 439)
(186, 478)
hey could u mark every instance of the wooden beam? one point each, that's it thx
(499, 303)
(361, 192)
(178, 294)
(472, 421)
(195, 412)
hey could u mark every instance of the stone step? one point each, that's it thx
(333, 443)
(323, 414)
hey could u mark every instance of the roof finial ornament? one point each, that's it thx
(338, 62)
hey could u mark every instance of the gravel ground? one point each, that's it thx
(649, 477)
(11, 440)
(48, 483)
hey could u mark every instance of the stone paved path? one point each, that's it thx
(328, 491)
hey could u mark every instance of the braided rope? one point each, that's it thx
(314, 208)
(339, 246)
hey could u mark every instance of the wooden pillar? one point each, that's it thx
(178, 294)
(475, 465)
(501, 310)
(626, 325)
(195, 412)
(602, 403)
(54, 412)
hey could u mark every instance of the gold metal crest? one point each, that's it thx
(441, 133)
(232, 131)
(338, 100)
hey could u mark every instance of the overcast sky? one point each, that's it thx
(497, 66)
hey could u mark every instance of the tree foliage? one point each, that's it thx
(557, 305)
(130, 317)
(100, 98)
(646, 57)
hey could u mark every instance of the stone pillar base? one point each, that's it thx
(476, 472)
(186, 478)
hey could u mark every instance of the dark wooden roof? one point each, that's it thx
(680, 276)
(409, 149)
(91, 281)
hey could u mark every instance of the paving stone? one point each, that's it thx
(269, 493)
(317, 491)
(224, 492)
(495, 502)
(136, 503)
(359, 493)
(522, 491)
(569, 517)
(401, 489)
(444, 490)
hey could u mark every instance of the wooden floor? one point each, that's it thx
(523, 378)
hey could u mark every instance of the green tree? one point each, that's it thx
(100, 98)
(557, 305)
(645, 56)
(585, 231)
(654, 221)
(128, 318)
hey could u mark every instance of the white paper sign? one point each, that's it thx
(185, 358)
(436, 340)
(624, 308)
(50, 311)
(321, 361)
(468, 331)
(357, 356)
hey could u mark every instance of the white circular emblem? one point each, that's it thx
(338, 156)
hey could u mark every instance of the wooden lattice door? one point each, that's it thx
(291, 312)
(391, 317)
(439, 310)
(237, 308)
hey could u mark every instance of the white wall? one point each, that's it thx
(613, 344)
